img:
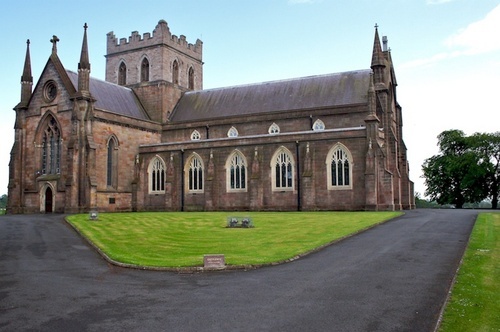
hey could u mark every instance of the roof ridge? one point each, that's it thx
(291, 79)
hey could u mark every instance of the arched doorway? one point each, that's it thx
(48, 200)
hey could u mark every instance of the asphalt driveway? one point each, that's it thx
(394, 277)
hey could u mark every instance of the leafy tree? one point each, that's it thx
(458, 174)
(3, 201)
(487, 146)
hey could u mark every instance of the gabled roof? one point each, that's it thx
(338, 89)
(112, 98)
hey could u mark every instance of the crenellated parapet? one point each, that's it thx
(161, 36)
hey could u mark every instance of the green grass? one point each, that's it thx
(180, 239)
(475, 299)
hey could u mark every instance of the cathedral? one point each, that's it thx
(150, 138)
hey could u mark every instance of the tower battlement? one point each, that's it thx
(161, 36)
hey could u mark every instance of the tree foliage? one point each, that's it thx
(467, 169)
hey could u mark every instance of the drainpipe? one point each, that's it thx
(182, 179)
(299, 203)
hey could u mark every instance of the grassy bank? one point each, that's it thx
(475, 300)
(180, 239)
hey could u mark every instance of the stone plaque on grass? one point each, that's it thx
(214, 261)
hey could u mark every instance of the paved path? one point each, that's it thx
(394, 277)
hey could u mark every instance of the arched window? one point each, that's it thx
(191, 78)
(51, 148)
(318, 125)
(112, 162)
(175, 72)
(145, 70)
(156, 176)
(194, 173)
(282, 169)
(339, 167)
(232, 132)
(195, 135)
(274, 129)
(122, 74)
(236, 172)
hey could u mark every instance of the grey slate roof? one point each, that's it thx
(294, 94)
(112, 98)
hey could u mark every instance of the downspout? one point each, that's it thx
(207, 128)
(182, 179)
(299, 203)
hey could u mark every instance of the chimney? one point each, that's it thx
(384, 44)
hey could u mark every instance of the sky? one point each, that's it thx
(446, 53)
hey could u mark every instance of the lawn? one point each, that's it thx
(181, 239)
(475, 299)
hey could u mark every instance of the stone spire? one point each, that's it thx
(26, 78)
(84, 65)
(377, 55)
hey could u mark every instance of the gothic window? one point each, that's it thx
(145, 70)
(339, 168)
(274, 129)
(191, 78)
(122, 74)
(157, 176)
(236, 172)
(51, 148)
(282, 170)
(195, 135)
(232, 132)
(318, 125)
(194, 173)
(112, 162)
(175, 72)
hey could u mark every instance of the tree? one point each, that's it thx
(3, 201)
(458, 174)
(487, 146)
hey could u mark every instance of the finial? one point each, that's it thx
(54, 41)
(28, 42)
(85, 26)
(376, 26)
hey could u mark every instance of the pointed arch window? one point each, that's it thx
(339, 168)
(51, 148)
(112, 163)
(274, 129)
(175, 72)
(232, 132)
(122, 74)
(318, 125)
(145, 70)
(195, 135)
(157, 176)
(236, 172)
(194, 173)
(282, 168)
(191, 78)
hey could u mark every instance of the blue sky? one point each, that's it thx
(446, 52)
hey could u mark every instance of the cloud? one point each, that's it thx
(479, 37)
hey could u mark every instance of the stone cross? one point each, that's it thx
(54, 41)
